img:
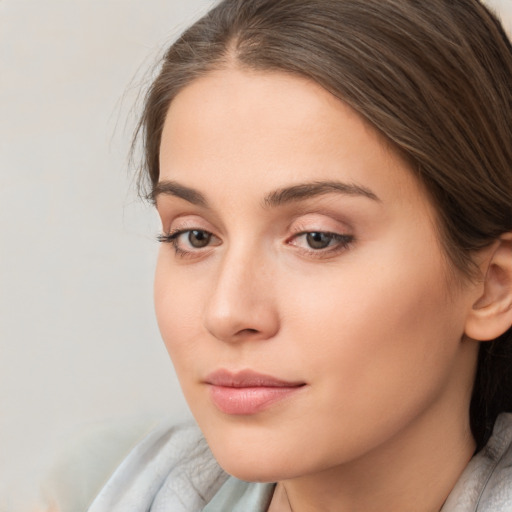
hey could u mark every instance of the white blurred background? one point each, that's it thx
(78, 339)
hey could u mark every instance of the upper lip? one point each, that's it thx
(247, 379)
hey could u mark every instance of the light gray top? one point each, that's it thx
(486, 483)
(172, 470)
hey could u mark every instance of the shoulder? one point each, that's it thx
(486, 483)
(129, 468)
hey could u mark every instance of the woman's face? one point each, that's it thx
(303, 295)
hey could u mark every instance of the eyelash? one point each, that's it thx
(341, 242)
(172, 239)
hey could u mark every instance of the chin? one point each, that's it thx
(258, 458)
(252, 469)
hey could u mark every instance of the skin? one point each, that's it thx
(374, 327)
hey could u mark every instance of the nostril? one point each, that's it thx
(248, 331)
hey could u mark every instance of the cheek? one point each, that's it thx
(378, 348)
(177, 307)
(376, 332)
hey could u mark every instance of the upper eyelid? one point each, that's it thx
(187, 222)
(330, 225)
(343, 242)
(178, 232)
(189, 218)
(300, 229)
(312, 221)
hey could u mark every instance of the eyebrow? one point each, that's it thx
(172, 188)
(304, 191)
(279, 197)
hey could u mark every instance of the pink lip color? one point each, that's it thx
(247, 392)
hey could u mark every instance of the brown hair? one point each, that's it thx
(433, 76)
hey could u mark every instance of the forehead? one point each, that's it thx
(270, 130)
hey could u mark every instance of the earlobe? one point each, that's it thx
(491, 314)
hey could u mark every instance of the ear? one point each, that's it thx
(491, 314)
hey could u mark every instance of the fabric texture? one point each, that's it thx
(172, 470)
(486, 483)
(238, 496)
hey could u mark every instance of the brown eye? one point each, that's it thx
(199, 239)
(319, 240)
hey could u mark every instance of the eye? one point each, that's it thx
(198, 239)
(188, 241)
(321, 242)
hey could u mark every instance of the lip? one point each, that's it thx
(248, 392)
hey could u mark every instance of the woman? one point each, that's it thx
(334, 285)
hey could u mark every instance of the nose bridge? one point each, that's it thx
(242, 302)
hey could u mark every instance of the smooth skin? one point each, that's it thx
(343, 287)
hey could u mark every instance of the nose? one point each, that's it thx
(242, 304)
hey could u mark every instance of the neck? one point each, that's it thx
(385, 482)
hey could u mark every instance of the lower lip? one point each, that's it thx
(250, 400)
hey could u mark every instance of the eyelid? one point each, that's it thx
(341, 234)
(173, 236)
(319, 222)
(342, 243)
(176, 233)
(341, 237)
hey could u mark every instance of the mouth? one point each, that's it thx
(248, 392)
